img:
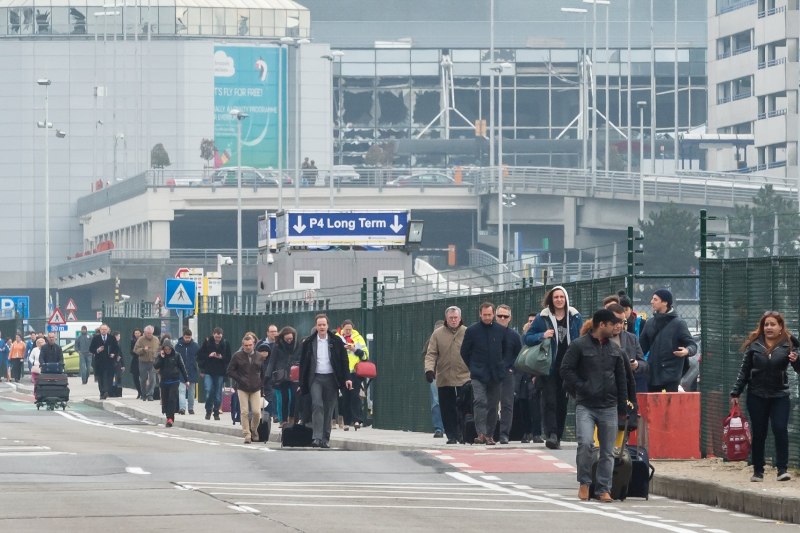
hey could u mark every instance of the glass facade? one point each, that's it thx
(140, 18)
(395, 94)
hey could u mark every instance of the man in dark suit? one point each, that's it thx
(106, 352)
(324, 370)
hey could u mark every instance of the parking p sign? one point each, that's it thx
(11, 306)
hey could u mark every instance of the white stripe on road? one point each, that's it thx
(163, 435)
(257, 490)
(572, 506)
(17, 448)
(423, 507)
(283, 494)
(137, 470)
(33, 454)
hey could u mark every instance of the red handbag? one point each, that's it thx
(366, 369)
(736, 438)
(294, 374)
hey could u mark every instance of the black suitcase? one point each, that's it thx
(264, 426)
(52, 368)
(620, 477)
(296, 436)
(53, 387)
(641, 473)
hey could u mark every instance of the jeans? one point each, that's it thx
(86, 366)
(436, 412)
(486, 397)
(183, 392)
(586, 418)
(147, 379)
(506, 405)
(284, 400)
(324, 392)
(213, 387)
(250, 407)
(762, 412)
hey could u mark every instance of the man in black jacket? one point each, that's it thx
(594, 372)
(51, 352)
(213, 360)
(106, 352)
(486, 350)
(503, 317)
(669, 342)
(323, 372)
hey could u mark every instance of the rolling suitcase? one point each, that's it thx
(621, 474)
(296, 436)
(52, 388)
(641, 473)
(264, 426)
(227, 396)
(234, 408)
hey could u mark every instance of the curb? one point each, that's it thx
(771, 506)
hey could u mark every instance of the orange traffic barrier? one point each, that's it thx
(451, 255)
(458, 176)
(672, 421)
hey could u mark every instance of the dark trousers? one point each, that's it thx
(535, 404)
(762, 412)
(105, 378)
(507, 405)
(135, 374)
(350, 405)
(449, 408)
(169, 399)
(669, 387)
(324, 391)
(16, 369)
(554, 405)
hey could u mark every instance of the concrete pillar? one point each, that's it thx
(570, 221)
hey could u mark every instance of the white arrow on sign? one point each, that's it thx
(299, 227)
(396, 227)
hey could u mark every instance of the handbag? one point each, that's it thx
(535, 359)
(294, 374)
(366, 369)
(736, 437)
(278, 376)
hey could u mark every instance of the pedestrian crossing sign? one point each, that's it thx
(180, 294)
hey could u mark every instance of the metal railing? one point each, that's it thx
(734, 7)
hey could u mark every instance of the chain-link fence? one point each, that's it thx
(735, 294)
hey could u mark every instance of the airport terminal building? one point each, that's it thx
(139, 88)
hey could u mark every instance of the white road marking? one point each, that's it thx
(137, 470)
(424, 507)
(249, 509)
(567, 505)
(474, 471)
(254, 491)
(717, 510)
(522, 487)
(460, 465)
(740, 515)
(548, 458)
(491, 478)
(505, 482)
(716, 530)
(690, 524)
(362, 497)
(18, 448)
(34, 454)
(564, 465)
(445, 457)
(162, 435)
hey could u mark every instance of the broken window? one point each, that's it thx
(426, 105)
(393, 107)
(358, 107)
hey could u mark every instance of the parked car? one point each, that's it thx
(251, 177)
(345, 174)
(423, 179)
(72, 360)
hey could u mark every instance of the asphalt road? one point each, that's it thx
(90, 470)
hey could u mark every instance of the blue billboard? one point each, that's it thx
(247, 78)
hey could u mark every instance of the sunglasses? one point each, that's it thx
(503, 316)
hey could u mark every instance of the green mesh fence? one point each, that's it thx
(735, 293)
(399, 332)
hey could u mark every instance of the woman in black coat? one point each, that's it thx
(768, 352)
(171, 369)
(277, 381)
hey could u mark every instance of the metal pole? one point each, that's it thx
(46, 200)
(491, 83)
(641, 159)
(330, 129)
(239, 215)
(608, 112)
(280, 127)
(297, 174)
(500, 250)
(630, 93)
(676, 118)
(594, 95)
(584, 101)
(652, 90)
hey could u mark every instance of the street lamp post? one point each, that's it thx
(642, 104)
(239, 116)
(594, 86)
(582, 98)
(331, 59)
(296, 44)
(499, 70)
(46, 125)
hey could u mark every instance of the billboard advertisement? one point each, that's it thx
(247, 78)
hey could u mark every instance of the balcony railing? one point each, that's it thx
(734, 7)
(770, 12)
(771, 63)
(773, 113)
